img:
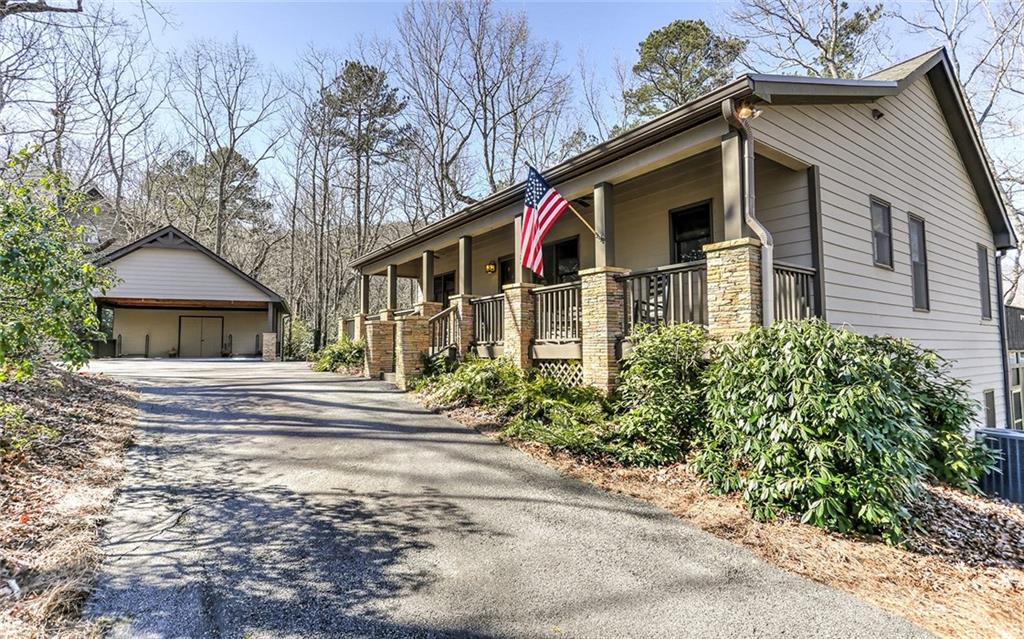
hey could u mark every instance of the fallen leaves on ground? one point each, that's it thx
(54, 494)
(960, 575)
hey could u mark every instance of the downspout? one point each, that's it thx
(739, 120)
(1008, 417)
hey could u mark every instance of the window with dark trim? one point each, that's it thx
(561, 261)
(918, 264)
(881, 232)
(444, 287)
(691, 230)
(984, 284)
(506, 271)
(990, 408)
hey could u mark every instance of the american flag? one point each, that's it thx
(543, 206)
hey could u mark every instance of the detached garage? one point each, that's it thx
(173, 297)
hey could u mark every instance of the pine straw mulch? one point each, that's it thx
(55, 495)
(962, 575)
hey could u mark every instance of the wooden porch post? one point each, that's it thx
(427, 277)
(604, 250)
(521, 276)
(465, 274)
(364, 294)
(392, 287)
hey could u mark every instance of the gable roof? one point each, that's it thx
(771, 89)
(172, 237)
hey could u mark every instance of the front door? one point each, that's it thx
(444, 288)
(200, 336)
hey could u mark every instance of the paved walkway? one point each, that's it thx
(264, 500)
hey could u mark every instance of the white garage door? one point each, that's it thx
(200, 336)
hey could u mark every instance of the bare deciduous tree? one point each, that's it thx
(817, 37)
(225, 101)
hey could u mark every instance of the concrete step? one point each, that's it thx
(388, 377)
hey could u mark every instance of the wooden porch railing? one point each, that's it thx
(666, 295)
(794, 292)
(444, 331)
(558, 312)
(402, 312)
(488, 319)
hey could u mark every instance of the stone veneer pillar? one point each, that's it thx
(734, 286)
(412, 340)
(464, 312)
(379, 354)
(520, 323)
(602, 324)
(269, 341)
(358, 327)
(427, 309)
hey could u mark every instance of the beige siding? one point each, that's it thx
(642, 205)
(782, 206)
(908, 159)
(133, 324)
(164, 273)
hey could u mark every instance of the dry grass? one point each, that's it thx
(55, 494)
(962, 575)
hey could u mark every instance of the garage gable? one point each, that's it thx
(169, 265)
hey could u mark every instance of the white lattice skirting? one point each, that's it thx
(567, 371)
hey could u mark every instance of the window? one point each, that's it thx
(918, 264)
(506, 271)
(983, 283)
(990, 408)
(881, 232)
(691, 230)
(444, 288)
(561, 262)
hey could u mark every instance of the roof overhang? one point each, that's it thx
(775, 90)
(671, 123)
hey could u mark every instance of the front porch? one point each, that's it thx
(674, 247)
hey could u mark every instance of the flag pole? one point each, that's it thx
(585, 223)
(577, 213)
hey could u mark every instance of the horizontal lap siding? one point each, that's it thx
(781, 205)
(642, 205)
(162, 273)
(908, 159)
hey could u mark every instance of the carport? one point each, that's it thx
(173, 297)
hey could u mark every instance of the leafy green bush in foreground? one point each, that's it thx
(342, 354)
(832, 426)
(661, 395)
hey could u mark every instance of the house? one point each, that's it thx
(173, 297)
(869, 203)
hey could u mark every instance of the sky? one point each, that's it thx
(279, 31)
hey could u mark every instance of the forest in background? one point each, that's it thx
(292, 173)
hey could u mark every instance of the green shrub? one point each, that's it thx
(485, 382)
(808, 419)
(660, 396)
(342, 354)
(17, 433)
(298, 345)
(947, 410)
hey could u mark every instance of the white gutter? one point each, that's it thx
(740, 122)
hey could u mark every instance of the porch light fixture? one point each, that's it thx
(491, 268)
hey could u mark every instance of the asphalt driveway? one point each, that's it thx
(265, 500)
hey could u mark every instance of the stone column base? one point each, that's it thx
(428, 309)
(520, 323)
(464, 313)
(602, 325)
(379, 354)
(269, 341)
(358, 327)
(412, 341)
(734, 286)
